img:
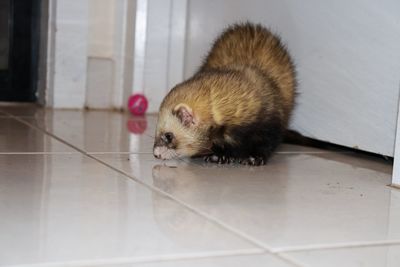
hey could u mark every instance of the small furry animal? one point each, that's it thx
(236, 107)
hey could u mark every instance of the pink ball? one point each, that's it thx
(137, 104)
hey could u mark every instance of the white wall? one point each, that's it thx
(70, 53)
(347, 56)
(102, 20)
(89, 42)
(159, 48)
(101, 51)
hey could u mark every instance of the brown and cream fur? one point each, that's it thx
(236, 107)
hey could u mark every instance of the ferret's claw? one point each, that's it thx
(253, 161)
(211, 158)
(216, 159)
(259, 161)
(206, 158)
(222, 160)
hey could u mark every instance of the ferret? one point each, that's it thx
(236, 107)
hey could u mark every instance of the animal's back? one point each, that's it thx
(255, 46)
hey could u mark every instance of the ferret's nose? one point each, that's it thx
(157, 152)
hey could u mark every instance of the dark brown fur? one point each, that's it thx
(238, 103)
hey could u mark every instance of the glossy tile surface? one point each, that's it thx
(99, 131)
(105, 131)
(296, 200)
(232, 261)
(16, 137)
(22, 110)
(70, 208)
(60, 207)
(375, 256)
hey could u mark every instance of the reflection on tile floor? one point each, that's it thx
(296, 200)
(234, 261)
(71, 208)
(100, 131)
(120, 206)
(17, 137)
(374, 256)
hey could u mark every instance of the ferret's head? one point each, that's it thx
(180, 133)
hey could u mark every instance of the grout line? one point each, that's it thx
(289, 260)
(360, 244)
(51, 135)
(18, 104)
(5, 114)
(193, 209)
(242, 235)
(259, 246)
(122, 153)
(279, 253)
(152, 188)
(8, 116)
(39, 153)
(146, 259)
(19, 118)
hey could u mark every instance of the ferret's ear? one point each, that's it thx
(185, 114)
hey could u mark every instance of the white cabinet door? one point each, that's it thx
(347, 55)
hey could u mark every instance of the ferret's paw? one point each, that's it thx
(211, 158)
(253, 161)
(218, 159)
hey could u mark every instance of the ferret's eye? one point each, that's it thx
(167, 137)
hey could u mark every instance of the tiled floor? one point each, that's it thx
(83, 189)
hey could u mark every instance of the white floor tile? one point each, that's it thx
(99, 131)
(69, 209)
(296, 200)
(378, 256)
(234, 261)
(16, 137)
(105, 131)
(59, 209)
(22, 109)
